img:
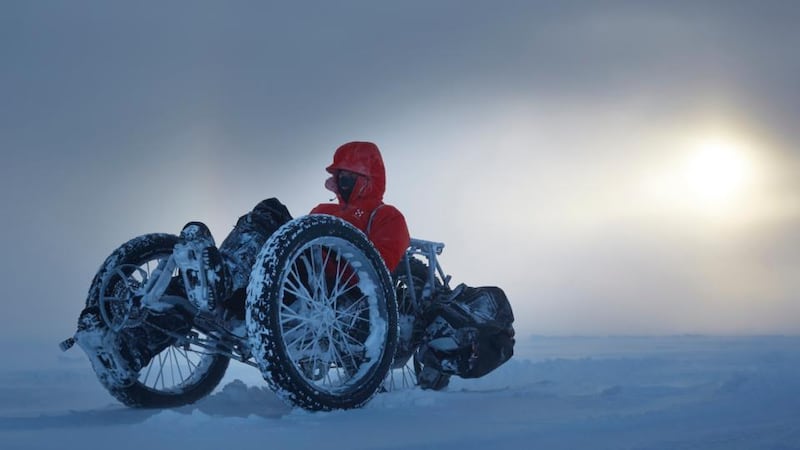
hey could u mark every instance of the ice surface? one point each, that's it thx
(678, 392)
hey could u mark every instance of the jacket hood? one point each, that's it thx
(365, 159)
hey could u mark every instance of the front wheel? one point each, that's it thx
(322, 314)
(179, 372)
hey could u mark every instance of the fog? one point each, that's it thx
(543, 142)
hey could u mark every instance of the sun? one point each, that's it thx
(717, 171)
(714, 176)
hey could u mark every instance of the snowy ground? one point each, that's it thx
(686, 392)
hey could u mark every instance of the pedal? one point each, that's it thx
(213, 271)
(193, 255)
(66, 344)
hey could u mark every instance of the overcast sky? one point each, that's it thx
(553, 146)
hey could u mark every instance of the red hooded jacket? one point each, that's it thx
(387, 230)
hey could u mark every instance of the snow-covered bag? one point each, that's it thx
(470, 333)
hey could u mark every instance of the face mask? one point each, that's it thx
(346, 183)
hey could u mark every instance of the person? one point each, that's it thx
(358, 178)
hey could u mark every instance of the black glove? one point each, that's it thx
(272, 209)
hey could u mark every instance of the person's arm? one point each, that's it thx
(389, 234)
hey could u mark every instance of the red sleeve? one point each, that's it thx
(389, 234)
(324, 208)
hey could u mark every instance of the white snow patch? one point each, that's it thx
(694, 392)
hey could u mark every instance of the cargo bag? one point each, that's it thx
(469, 333)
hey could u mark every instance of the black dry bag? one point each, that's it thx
(469, 333)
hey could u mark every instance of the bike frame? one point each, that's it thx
(224, 342)
(234, 346)
(430, 250)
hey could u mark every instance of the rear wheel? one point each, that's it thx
(404, 371)
(321, 314)
(408, 367)
(179, 372)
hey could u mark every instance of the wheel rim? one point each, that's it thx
(333, 318)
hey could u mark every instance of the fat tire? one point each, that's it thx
(263, 315)
(137, 395)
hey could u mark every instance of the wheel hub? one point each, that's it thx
(328, 315)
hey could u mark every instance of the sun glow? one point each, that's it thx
(715, 176)
(717, 171)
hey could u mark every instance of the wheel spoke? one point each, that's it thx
(335, 356)
(328, 377)
(346, 284)
(147, 375)
(313, 343)
(299, 339)
(122, 275)
(301, 296)
(177, 364)
(295, 328)
(347, 311)
(304, 339)
(350, 354)
(171, 367)
(352, 344)
(337, 281)
(160, 371)
(324, 260)
(299, 287)
(318, 273)
(346, 336)
(310, 271)
(189, 362)
(314, 346)
(353, 316)
(292, 309)
(291, 319)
